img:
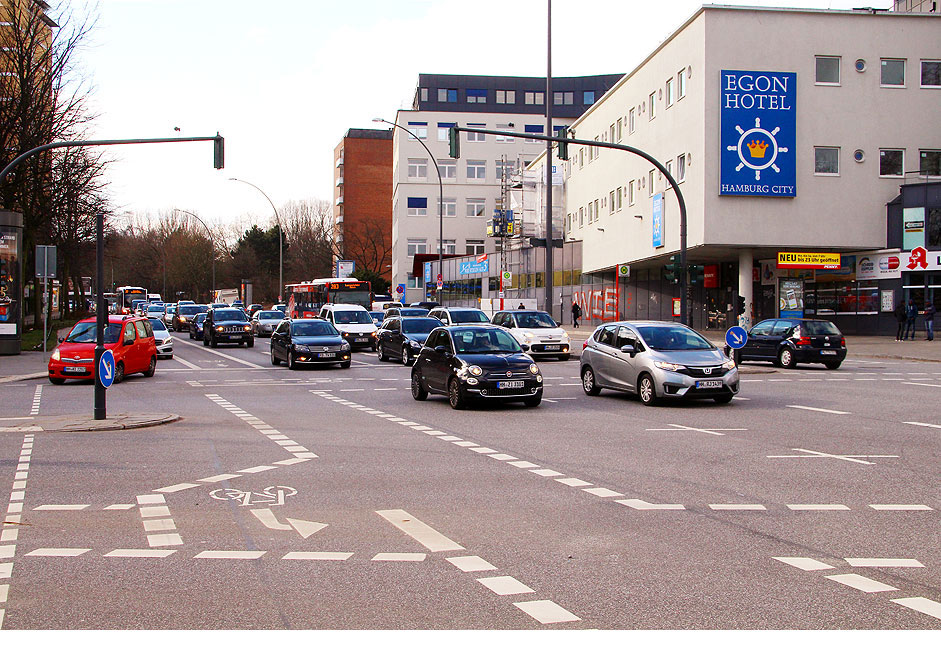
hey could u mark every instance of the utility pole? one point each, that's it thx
(549, 270)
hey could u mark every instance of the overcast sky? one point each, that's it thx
(283, 81)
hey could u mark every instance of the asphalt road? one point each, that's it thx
(329, 499)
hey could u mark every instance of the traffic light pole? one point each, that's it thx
(625, 148)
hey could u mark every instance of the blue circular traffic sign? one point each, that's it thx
(736, 337)
(106, 369)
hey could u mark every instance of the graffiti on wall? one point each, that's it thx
(598, 304)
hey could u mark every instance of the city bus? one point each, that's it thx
(305, 299)
(126, 295)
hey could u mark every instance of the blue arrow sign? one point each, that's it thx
(106, 369)
(736, 337)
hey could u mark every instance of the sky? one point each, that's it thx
(283, 81)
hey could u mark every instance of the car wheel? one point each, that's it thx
(274, 359)
(646, 390)
(722, 400)
(152, 369)
(833, 365)
(212, 342)
(565, 357)
(533, 401)
(382, 354)
(250, 343)
(419, 393)
(205, 341)
(118, 373)
(588, 382)
(345, 365)
(406, 355)
(56, 381)
(786, 358)
(292, 363)
(191, 336)
(456, 395)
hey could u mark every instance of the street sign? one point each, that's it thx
(45, 261)
(400, 288)
(345, 268)
(624, 270)
(440, 284)
(507, 276)
(106, 368)
(736, 337)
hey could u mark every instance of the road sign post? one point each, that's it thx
(101, 411)
(45, 269)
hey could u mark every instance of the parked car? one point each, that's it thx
(787, 342)
(455, 316)
(186, 312)
(265, 321)
(196, 326)
(656, 360)
(475, 362)
(227, 325)
(162, 338)
(309, 341)
(353, 322)
(403, 337)
(537, 330)
(130, 339)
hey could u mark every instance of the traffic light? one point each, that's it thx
(740, 305)
(671, 271)
(696, 274)
(218, 152)
(454, 138)
(563, 147)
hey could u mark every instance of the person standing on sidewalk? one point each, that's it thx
(929, 321)
(576, 313)
(911, 314)
(900, 317)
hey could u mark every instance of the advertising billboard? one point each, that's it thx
(658, 220)
(474, 267)
(9, 280)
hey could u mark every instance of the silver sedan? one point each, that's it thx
(265, 321)
(656, 360)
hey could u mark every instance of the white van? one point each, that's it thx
(382, 306)
(354, 323)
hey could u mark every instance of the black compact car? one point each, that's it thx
(184, 313)
(475, 362)
(403, 337)
(309, 341)
(227, 325)
(787, 342)
(196, 326)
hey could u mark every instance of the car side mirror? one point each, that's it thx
(525, 347)
(128, 341)
(629, 348)
(61, 340)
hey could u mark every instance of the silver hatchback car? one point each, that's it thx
(656, 360)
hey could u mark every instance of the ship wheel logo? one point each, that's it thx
(757, 149)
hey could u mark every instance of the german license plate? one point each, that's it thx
(79, 370)
(362, 339)
(510, 384)
(552, 347)
(708, 384)
(326, 355)
(828, 352)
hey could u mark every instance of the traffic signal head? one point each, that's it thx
(696, 274)
(454, 138)
(218, 152)
(671, 271)
(563, 146)
(740, 305)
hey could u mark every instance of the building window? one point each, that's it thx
(828, 71)
(443, 134)
(474, 247)
(424, 95)
(581, 157)
(891, 162)
(504, 139)
(653, 106)
(588, 97)
(618, 196)
(449, 204)
(669, 93)
(630, 192)
(414, 282)
(476, 96)
(417, 206)
(929, 162)
(420, 129)
(611, 203)
(448, 168)
(508, 167)
(417, 246)
(563, 97)
(506, 97)
(450, 247)
(581, 217)
(591, 213)
(417, 168)
(476, 207)
(477, 170)
(569, 97)
(447, 95)
(611, 131)
(532, 97)
(630, 121)
(931, 74)
(827, 161)
(669, 167)
(681, 84)
(681, 168)
(893, 72)
(476, 138)
(650, 183)
(534, 129)
(619, 123)
(597, 213)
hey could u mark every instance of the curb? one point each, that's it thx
(13, 379)
(77, 423)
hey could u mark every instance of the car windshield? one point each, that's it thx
(535, 320)
(154, 308)
(307, 328)
(229, 315)
(270, 314)
(158, 325)
(200, 318)
(419, 325)
(352, 317)
(413, 312)
(192, 309)
(86, 332)
(811, 328)
(171, 310)
(673, 338)
(490, 340)
(469, 316)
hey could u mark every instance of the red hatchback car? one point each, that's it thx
(130, 339)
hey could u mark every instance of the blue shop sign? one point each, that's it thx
(427, 273)
(658, 220)
(473, 267)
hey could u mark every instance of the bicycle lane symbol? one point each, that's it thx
(274, 495)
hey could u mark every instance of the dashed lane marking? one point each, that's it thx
(230, 554)
(318, 556)
(59, 508)
(674, 427)
(636, 503)
(804, 563)
(879, 562)
(505, 585)
(471, 564)
(818, 454)
(140, 553)
(921, 384)
(422, 533)
(901, 508)
(923, 425)
(737, 507)
(57, 552)
(816, 409)
(921, 605)
(400, 556)
(861, 583)
(835, 507)
(37, 397)
(547, 612)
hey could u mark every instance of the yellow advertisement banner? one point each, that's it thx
(807, 260)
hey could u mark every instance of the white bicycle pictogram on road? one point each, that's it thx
(268, 496)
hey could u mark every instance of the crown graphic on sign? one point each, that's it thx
(757, 148)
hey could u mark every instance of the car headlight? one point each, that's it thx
(415, 344)
(668, 366)
(56, 355)
(730, 364)
(475, 370)
(533, 369)
(168, 340)
(345, 346)
(182, 318)
(247, 327)
(345, 334)
(302, 348)
(529, 335)
(565, 337)
(219, 328)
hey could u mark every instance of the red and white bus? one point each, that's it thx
(306, 299)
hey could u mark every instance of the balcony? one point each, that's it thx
(339, 181)
(340, 200)
(339, 161)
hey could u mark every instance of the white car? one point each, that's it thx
(162, 338)
(354, 323)
(535, 330)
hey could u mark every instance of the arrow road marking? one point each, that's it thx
(304, 528)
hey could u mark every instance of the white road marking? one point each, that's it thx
(219, 478)
(844, 457)
(711, 431)
(861, 583)
(739, 507)
(804, 563)
(925, 425)
(151, 499)
(636, 503)
(546, 612)
(59, 508)
(154, 511)
(134, 553)
(471, 563)
(573, 482)
(176, 487)
(522, 464)
(466, 444)
(434, 432)
(877, 562)
(383, 389)
(482, 449)
(255, 469)
(546, 473)
(159, 524)
(400, 556)
(37, 397)
(902, 508)
(158, 540)
(422, 533)
(503, 457)
(505, 585)
(57, 552)
(222, 355)
(119, 506)
(230, 554)
(922, 605)
(815, 409)
(909, 383)
(601, 492)
(449, 438)
(819, 508)
(7, 552)
(319, 556)
(6, 570)
(186, 363)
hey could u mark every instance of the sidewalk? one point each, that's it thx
(85, 423)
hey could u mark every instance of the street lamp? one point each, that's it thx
(280, 235)
(440, 193)
(211, 244)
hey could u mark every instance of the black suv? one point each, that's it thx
(227, 325)
(184, 315)
(785, 342)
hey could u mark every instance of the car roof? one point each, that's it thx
(345, 306)
(466, 326)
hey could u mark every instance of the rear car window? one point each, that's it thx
(819, 328)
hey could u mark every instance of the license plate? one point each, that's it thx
(708, 384)
(80, 370)
(362, 339)
(552, 347)
(326, 355)
(828, 353)
(511, 384)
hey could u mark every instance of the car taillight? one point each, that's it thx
(843, 342)
(803, 341)
(584, 344)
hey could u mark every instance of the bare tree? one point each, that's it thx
(308, 229)
(371, 247)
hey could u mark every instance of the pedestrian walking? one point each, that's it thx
(911, 314)
(576, 313)
(900, 318)
(929, 321)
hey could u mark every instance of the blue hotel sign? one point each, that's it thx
(473, 267)
(758, 133)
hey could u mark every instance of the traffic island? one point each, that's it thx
(87, 423)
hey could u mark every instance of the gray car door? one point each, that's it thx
(604, 358)
(625, 367)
